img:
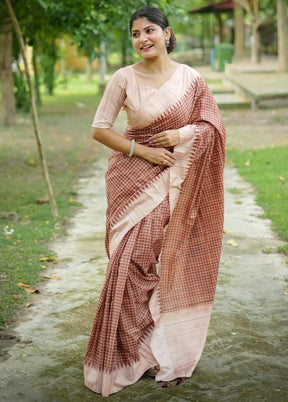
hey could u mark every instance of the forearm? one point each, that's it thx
(117, 142)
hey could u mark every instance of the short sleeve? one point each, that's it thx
(112, 101)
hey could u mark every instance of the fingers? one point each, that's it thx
(167, 159)
(159, 140)
(165, 139)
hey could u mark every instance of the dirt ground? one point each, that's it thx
(266, 127)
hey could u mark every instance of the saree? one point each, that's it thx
(164, 230)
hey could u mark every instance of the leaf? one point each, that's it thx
(32, 291)
(28, 305)
(42, 201)
(285, 293)
(52, 277)
(50, 258)
(23, 285)
(282, 179)
(232, 242)
(247, 163)
(228, 230)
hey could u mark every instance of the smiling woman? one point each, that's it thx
(164, 217)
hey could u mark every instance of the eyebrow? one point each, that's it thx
(148, 26)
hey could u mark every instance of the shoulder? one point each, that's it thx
(190, 72)
(121, 76)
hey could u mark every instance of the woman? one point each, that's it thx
(164, 217)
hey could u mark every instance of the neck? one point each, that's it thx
(158, 64)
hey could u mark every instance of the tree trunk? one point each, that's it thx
(255, 45)
(282, 27)
(89, 70)
(103, 67)
(6, 77)
(34, 111)
(239, 32)
(256, 37)
(36, 77)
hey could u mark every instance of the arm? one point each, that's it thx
(117, 142)
(102, 127)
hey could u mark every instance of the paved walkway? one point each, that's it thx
(245, 358)
(244, 84)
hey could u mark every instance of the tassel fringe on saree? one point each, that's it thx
(163, 239)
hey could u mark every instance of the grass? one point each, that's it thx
(267, 170)
(26, 227)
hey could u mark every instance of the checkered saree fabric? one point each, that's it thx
(189, 241)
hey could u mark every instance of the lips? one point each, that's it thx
(146, 47)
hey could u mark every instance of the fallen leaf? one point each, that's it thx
(42, 201)
(228, 230)
(23, 285)
(233, 333)
(285, 293)
(52, 277)
(232, 242)
(32, 290)
(50, 258)
(282, 179)
(28, 305)
(247, 163)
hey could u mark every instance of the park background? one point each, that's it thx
(72, 48)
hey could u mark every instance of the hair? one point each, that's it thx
(157, 17)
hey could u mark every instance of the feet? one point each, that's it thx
(179, 380)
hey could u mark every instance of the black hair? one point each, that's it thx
(157, 17)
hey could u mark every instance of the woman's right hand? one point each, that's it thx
(158, 156)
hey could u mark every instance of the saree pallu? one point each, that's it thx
(163, 240)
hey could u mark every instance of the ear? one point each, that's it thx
(167, 33)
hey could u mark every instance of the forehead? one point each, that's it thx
(142, 23)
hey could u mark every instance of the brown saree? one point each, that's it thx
(164, 232)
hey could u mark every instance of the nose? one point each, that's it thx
(142, 37)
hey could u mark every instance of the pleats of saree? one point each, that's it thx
(118, 352)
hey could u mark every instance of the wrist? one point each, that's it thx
(140, 150)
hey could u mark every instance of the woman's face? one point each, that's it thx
(148, 38)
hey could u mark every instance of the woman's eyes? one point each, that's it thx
(136, 34)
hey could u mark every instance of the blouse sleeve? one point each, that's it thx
(111, 102)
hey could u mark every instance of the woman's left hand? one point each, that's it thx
(168, 138)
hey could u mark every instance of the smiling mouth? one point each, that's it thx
(146, 47)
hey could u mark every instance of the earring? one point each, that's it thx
(167, 42)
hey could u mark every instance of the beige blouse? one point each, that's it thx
(142, 103)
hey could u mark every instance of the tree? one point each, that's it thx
(8, 107)
(282, 25)
(34, 111)
(260, 13)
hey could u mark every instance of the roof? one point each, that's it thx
(221, 6)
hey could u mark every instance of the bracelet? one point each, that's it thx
(131, 153)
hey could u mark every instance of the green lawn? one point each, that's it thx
(267, 170)
(26, 226)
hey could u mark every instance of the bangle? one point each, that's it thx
(132, 148)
